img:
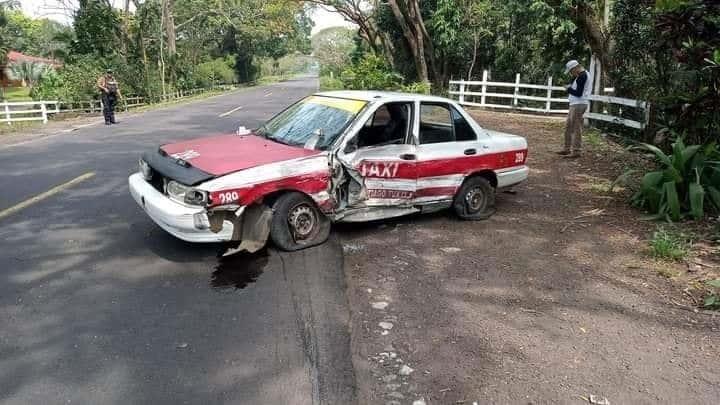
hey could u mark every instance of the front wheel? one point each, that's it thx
(297, 223)
(475, 200)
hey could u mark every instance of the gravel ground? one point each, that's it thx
(552, 300)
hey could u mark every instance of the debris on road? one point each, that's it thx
(451, 249)
(405, 370)
(379, 305)
(386, 325)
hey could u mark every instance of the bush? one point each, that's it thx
(330, 83)
(688, 182)
(371, 73)
(417, 87)
(216, 71)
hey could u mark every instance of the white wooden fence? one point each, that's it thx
(27, 111)
(542, 98)
(41, 110)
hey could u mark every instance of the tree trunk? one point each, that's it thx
(413, 35)
(170, 26)
(476, 39)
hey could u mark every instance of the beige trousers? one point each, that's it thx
(574, 128)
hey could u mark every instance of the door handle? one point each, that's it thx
(470, 152)
(408, 156)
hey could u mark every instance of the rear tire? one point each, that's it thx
(297, 223)
(475, 201)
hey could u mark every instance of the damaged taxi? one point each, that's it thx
(344, 156)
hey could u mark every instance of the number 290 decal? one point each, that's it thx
(228, 197)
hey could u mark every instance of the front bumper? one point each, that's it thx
(177, 219)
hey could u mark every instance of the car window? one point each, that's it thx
(463, 130)
(388, 125)
(436, 125)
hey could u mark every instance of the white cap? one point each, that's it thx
(571, 65)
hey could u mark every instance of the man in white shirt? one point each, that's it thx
(578, 92)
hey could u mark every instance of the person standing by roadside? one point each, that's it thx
(109, 93)
(579, 91)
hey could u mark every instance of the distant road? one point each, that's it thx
(98, 305)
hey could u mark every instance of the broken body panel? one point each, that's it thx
(348, 181)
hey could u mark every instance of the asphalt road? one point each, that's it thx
(99, 305)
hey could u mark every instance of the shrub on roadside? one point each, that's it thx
(330, 83)
(417, 87)
(371, 73)
(686, 184)
(216, 71)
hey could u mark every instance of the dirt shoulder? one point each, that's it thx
(552, 300)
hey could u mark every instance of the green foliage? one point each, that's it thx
(417, 87)
(669, 245)
(371, 73)
(330, 83)
(686, 184)
(216, 71)
(712, 300)
(28, 72)
(97, 29)
(664, 53)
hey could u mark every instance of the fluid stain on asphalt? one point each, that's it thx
(239, 270)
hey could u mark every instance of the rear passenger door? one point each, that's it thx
(448, 149)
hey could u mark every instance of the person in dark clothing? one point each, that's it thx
(109, 93)
(578, 93)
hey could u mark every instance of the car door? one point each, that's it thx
(448, 149)
(381, 157)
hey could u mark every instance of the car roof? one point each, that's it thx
(372, 96)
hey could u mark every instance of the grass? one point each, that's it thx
(671, 245)
(17, 94)
(594, 138)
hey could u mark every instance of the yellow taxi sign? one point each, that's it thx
(345, 104)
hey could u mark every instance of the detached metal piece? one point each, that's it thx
(252, 229)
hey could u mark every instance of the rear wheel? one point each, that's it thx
(297, 223)
(475, 200)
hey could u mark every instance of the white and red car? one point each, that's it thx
(347, 156)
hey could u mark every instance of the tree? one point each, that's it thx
(332, 48)
(97, 29)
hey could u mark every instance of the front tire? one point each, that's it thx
(475, 201)
(297, 223)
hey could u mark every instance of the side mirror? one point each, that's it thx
(351, 146)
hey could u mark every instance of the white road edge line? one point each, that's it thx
(30, 201)
(225, 114)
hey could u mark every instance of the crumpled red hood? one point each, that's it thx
(223, 154)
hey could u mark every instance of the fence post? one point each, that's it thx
(43, 111)
(462, 91)
(517, 90)
(7, 114)
(549, 95)
(484, 87)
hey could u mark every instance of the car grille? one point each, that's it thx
(158, 182)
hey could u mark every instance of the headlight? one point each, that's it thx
(196, 197)
(176, 190)
(145, 169)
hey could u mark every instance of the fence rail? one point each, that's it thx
(27, 111)
(41, 110)
(541, 98)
